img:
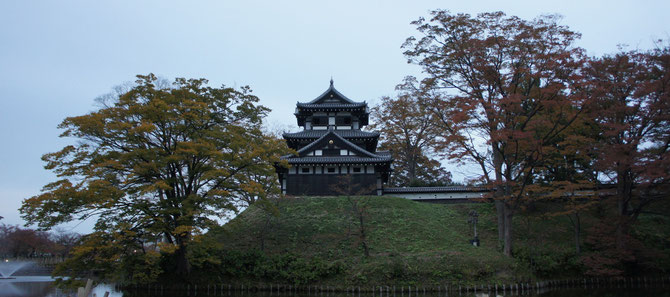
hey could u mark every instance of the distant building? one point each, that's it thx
(334, 156)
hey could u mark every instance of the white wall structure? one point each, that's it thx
(439, 194)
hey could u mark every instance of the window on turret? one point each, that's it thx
(343, 121)
(331, 152)
(319, 121)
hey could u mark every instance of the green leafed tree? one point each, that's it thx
(159, 163)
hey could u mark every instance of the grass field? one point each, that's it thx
(409, 242)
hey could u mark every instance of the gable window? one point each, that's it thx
(331, 152)
(319, 121)
(343, 121)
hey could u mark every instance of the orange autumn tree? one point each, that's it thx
(159, 163)
(409, 133)
(631, 92)
(631, 108)
(504, 90)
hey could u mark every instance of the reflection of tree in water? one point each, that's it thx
(545, 292)
(12, 288)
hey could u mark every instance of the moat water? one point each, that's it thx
(43, 286)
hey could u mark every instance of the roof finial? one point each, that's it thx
(331, 80)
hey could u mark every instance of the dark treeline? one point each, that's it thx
(17, 242)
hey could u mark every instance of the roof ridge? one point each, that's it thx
(357, 148)
(304, 148)
(346, 142)
(332, 88)
(435, 189)
(344, 133)
(335, 159)
(332, 104)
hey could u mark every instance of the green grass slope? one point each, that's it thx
(409, 242)
(313, 240)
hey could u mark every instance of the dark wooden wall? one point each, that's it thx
(331, 184)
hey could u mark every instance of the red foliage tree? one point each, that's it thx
(18, 242)
(631, 92)
(408, 131)
(503, 81)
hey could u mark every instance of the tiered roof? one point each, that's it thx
(314, 134)
(332, 145)
(308, 141)
(298, 139)
(362, 156)
(331, 101)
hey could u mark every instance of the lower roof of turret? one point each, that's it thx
(330, 137)
(340, 160)
(314, 134)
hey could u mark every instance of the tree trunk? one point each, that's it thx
(508, 230)
(624, 189)
(411, 173)
(499, 192)
(500, 213)
(181, 257)
(363, 238)
(577, 226)
(624, 192)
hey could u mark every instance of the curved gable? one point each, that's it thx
(337, 140)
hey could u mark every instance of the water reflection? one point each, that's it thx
(44, 287)
(26, 286)
(612, 292)
(25, 289)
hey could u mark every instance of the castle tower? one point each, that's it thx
(334, 156)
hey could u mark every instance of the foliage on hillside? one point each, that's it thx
(407, 240)
(315, 240)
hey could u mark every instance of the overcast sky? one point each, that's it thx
(56, 57)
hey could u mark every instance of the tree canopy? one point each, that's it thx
(408, 131)
(631, 108)
(158, 164)
(504, 90)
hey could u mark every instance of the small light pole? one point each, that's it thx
(473, 218)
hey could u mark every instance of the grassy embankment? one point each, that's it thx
(317, 241)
